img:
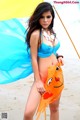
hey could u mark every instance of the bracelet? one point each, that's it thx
(60, 56)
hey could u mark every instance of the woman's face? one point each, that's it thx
(45, 19)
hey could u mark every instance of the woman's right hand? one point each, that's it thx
(40, 86)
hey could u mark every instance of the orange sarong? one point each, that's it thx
(53, 85)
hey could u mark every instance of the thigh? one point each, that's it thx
(33, 99)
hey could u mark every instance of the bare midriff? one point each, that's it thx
(44, 63)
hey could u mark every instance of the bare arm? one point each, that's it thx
(34, 48)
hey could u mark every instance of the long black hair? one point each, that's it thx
(34, 19)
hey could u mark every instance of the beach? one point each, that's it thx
(13, 96)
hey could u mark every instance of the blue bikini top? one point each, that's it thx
(45, 50)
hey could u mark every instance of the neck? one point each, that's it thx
(46, 30)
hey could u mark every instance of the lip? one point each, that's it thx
(45, 24)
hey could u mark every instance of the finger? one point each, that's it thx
(41, 93)
(42, 90)
(62, 62)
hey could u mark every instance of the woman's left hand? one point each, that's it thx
(60, 60)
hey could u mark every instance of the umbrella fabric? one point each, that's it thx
(17, 8)
(15, 60)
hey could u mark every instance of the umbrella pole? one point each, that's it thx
(67, 32)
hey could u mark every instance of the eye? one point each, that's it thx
(49, 81)
(48, 16)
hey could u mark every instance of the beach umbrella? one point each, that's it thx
(15, 62)
(13, 18)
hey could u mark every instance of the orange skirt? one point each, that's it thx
(54, 86)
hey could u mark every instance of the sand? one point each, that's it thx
(13, 96)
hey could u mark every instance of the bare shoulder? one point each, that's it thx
(35, 37)
(35, 34)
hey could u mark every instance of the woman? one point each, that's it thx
(43, 45)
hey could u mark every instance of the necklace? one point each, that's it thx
(48, 37)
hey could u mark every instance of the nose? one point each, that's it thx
(45, 19)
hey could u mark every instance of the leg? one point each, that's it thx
(54, 110)
(32, 103)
